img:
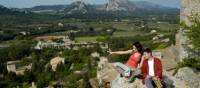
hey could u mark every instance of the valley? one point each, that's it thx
(60, 46)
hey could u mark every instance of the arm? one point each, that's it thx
(144, 69)
(141, 63)
(159, 69)
(121, 52)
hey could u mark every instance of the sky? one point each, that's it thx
(32, 3)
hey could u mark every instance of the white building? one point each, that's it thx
(12, 67)
(55, 61)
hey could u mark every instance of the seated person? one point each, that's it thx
(134, 59)
(151, 70)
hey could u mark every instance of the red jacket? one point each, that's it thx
(157, 68)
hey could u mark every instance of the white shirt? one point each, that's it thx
(151, 67)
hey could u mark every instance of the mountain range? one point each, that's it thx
(112, 6)
(3, 9)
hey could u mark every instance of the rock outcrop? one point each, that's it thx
(189, 7)
(78, 6)
(188, 75)
(118, 5)
(107, 77)
(121, 82)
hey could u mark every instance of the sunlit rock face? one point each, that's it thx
(78, 6)
(189, 7)
(118, 5)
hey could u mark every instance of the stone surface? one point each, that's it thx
(177, 83)
(188, 75)
(78, 6)
(116, 5)
(109, 77)
(189, 7)
(121, 82)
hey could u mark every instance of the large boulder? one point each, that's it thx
(188, 75)
(121, 82)
(177, 83)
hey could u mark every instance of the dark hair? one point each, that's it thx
(148, 50)
(139, 47)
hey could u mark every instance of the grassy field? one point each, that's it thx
(123, 29)
(118, 25)
(116, 34)
(124, 26)
(125, 34)
(87, 39)
(91, 24)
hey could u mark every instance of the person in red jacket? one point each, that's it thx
(151, 68)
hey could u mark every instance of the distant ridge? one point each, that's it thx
(121, 7)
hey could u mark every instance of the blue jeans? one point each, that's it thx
(165, 82)
(149, 82)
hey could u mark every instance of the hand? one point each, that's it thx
(148, 76)
(155, 78)
(144, 57)
(109, 51)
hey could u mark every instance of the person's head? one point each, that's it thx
(137, 46)
(147, 53)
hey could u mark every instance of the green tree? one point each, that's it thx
(60, 67)
(48, 68)
(34, 56)
(193, 32)
(3, 69)
(29, 76)
(18, 51)
(43, 80)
